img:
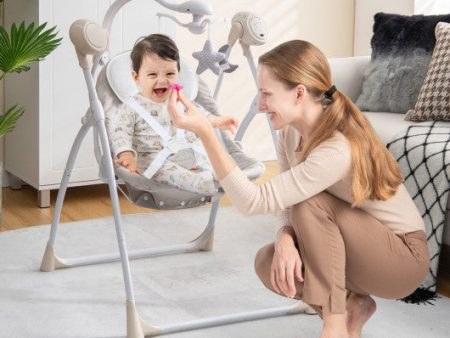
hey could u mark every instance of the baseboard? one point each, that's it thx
(5, 179)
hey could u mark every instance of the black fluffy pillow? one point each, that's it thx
(401, 52)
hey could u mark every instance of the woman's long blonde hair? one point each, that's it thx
(376, 175)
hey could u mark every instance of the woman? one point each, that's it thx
(347, 227)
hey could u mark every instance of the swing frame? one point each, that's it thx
(136, 326)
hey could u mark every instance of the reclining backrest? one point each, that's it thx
(114, 86)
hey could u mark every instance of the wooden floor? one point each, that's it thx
(20, 210)
(20, 206)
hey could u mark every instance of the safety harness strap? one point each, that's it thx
(172, 145)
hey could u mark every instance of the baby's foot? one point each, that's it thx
(359, 309)
(204, 181)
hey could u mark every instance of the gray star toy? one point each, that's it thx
(207, 58)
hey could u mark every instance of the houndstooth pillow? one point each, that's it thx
(433, 103)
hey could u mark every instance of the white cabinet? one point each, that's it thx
(53, 92)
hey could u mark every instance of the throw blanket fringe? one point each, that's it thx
(421, 296)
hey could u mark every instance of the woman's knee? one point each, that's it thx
(304, 209)
(263, 263)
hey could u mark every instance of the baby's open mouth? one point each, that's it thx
(160, 91)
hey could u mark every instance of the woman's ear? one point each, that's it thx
(300, 91)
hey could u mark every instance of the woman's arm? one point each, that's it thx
(221, 161)
(283, 164)
(327, 164)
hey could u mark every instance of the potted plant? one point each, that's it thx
(19, 47)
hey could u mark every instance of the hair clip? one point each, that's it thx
(176, 86)
(329, 93)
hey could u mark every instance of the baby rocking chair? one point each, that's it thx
(110, 90)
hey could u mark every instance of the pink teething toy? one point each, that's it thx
(176, 86)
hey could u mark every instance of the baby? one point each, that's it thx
(156, 65)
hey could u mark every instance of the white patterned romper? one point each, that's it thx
(186, 170)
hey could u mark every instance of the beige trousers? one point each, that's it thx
(345, 249)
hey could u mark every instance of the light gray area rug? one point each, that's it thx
(90, 301)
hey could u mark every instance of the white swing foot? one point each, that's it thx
(136, 327)
(50, 261)
(206, 245)
(302, 307)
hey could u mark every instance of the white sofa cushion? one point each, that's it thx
(348, 74)
(387, 125)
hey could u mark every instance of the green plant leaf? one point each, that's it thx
(9, 118)
(25, 44)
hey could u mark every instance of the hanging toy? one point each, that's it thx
(225, 65)
(198, 8)
(208, 59)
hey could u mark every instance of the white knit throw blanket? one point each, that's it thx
(423, 154)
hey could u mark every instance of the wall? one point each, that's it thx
(431, 7)
(364, 12)
(331, 25)
(327, 24)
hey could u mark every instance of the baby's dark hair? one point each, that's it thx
(158, 44)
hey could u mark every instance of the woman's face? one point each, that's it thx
(154, 77)
(278, 101)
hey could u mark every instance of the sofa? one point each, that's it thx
(348, 76)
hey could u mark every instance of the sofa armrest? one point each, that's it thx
(347, 74)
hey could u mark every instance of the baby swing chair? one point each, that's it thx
(111, 89)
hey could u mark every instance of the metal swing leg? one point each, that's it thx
(50, 261)
(135, 326)
(296, 308)
(248, 118)
(254, 105)
(203, 242)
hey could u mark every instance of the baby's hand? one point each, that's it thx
(226, 123)
(127, 160)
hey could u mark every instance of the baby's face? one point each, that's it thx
(155, 76)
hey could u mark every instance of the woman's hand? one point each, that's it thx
(286, 266)
(192, 119)
(195, 121)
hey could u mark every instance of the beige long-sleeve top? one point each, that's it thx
(327, 168)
